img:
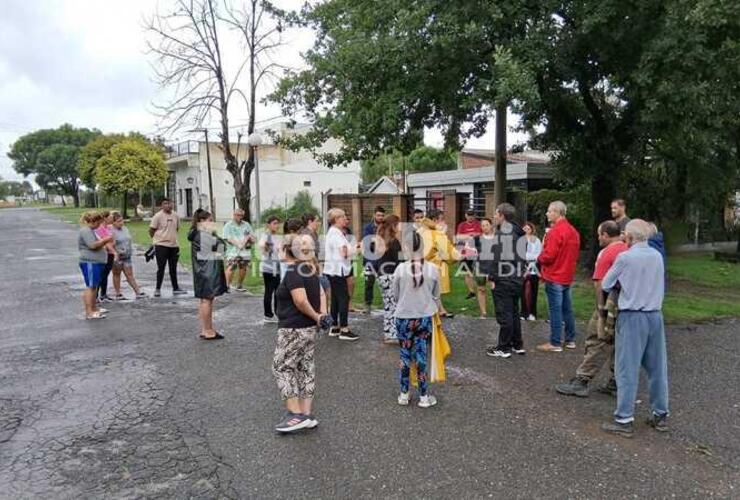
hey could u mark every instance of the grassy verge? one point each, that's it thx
(699, 288)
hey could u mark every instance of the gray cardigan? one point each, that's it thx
(420, 302)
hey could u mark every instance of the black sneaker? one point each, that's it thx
(179, 291)
(577, 386)
(625, 430)
(609, 388)
(658, 422)
(348, 335)
(157, 293)
(334, 332)
(520, 351)
(497, 353)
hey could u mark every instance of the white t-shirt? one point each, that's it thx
(334, 263)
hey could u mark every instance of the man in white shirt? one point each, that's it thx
(337, 267)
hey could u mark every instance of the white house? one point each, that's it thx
(384, 185)
(282, 174)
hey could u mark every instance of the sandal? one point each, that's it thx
(96, 315)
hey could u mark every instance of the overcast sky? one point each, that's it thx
(84, 62)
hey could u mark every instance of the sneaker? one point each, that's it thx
(470, 295)
(348, 335)
(577, 386)
(269, 319)
(609, 388)
(157, 293)
(120, 297)
(427, 401)
(142, 295)
(570, 345)
(625, 430)
(658, 422)
(293, 422)
(497, 353)
(240, 288)
(521, 351)
(404, 398)
(531, 318)
(105, 298)
(548, 347)
(179, 291)
(334, 332)
(313, 422)
(522, 318)
(102, 310)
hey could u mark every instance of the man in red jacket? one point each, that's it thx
(557, 264)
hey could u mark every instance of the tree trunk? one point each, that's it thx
(499, 183)
(603, 191)
(124, 206)
(76, 196)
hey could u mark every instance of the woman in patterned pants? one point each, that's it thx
(389, 244)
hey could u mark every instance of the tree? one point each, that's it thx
(421, 159)
(191, 62)
(52, 155)
(129, 166)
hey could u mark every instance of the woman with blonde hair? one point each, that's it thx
(337, 267)
(93, 259)
(438, 249)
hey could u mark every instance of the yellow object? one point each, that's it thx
(438, 250)
(437, 355)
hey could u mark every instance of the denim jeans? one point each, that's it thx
(561, 310)
(640, 341)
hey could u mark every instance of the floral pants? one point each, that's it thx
(293, 363)
(414, 336)
(389, 306)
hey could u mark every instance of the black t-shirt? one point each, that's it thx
(297, 276)
(388, 262)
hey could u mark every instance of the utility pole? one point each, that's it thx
(210, 176)
(499, 184)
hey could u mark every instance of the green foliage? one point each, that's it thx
(130, 165)
(301, 204)
(15, 188)
(101, 146)
(578, 201)
(421, 159)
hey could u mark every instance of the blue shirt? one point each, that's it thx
(639, 272)
(368, 247)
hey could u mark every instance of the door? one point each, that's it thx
(188, 202)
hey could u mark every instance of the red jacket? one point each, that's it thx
(559, 256)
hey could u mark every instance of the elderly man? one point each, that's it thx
(640, 337)
(599, 337)
(557, 264)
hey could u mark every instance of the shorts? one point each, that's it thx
(481, 281)
(466, 267)
(123, 262)
(240, 262)
(324, 282)
(92, 272)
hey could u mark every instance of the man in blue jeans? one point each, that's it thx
(640, 339)
(557, 264)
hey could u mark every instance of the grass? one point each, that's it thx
(699, 288)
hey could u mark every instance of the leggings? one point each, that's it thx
(339, 300)
(414, 335)
(166, 256)
(272, 281)
(529, 295)
(103, 290)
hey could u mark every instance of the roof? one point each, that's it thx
(383, 180)
(530, 155)
(516, 171)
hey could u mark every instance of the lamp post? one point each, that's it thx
(255, 140)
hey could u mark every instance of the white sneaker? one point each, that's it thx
(270, 320)
(427, 401)
(531, 318)
(404, 398)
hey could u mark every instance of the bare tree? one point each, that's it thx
(190, 62)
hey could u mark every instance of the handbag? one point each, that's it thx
(149, 254)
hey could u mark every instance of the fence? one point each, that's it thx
(360, 208)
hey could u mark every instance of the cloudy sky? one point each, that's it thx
(84, 62)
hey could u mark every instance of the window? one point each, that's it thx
(306, 183)
(179, 196)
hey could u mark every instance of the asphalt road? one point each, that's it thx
(136, 406)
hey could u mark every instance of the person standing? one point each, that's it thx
(270, 266)
(93, 259)
(390, 245)
(557, 264)
(437, 251)
(599, 344)
(619, 213)
(484, 252)
(209, 279)
(416, 290)
(467, 231)
(301, 306)
(531, 277)
(368, 263)
(418, 217)
(103, 231)
(506, 277)
(124, 258)
(337, 267)
(163, 230)
(239, 238)
(640, 330)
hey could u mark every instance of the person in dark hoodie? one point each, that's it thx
(505, 266)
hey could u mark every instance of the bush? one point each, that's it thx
(578, 201)
(301, 205)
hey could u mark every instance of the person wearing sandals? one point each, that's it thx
(301, 308)
(416, 286)
(388, 246)
(124, 254)
(93, 259)
(209, 278)
(337, 267)
(103, 231)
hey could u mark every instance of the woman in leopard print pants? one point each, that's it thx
(388, 240)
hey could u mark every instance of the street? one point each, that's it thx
(136, 406)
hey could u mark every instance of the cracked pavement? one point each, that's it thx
(136, 406)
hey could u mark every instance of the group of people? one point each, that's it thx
(308, 283)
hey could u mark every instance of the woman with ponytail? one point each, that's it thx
(416, 290)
